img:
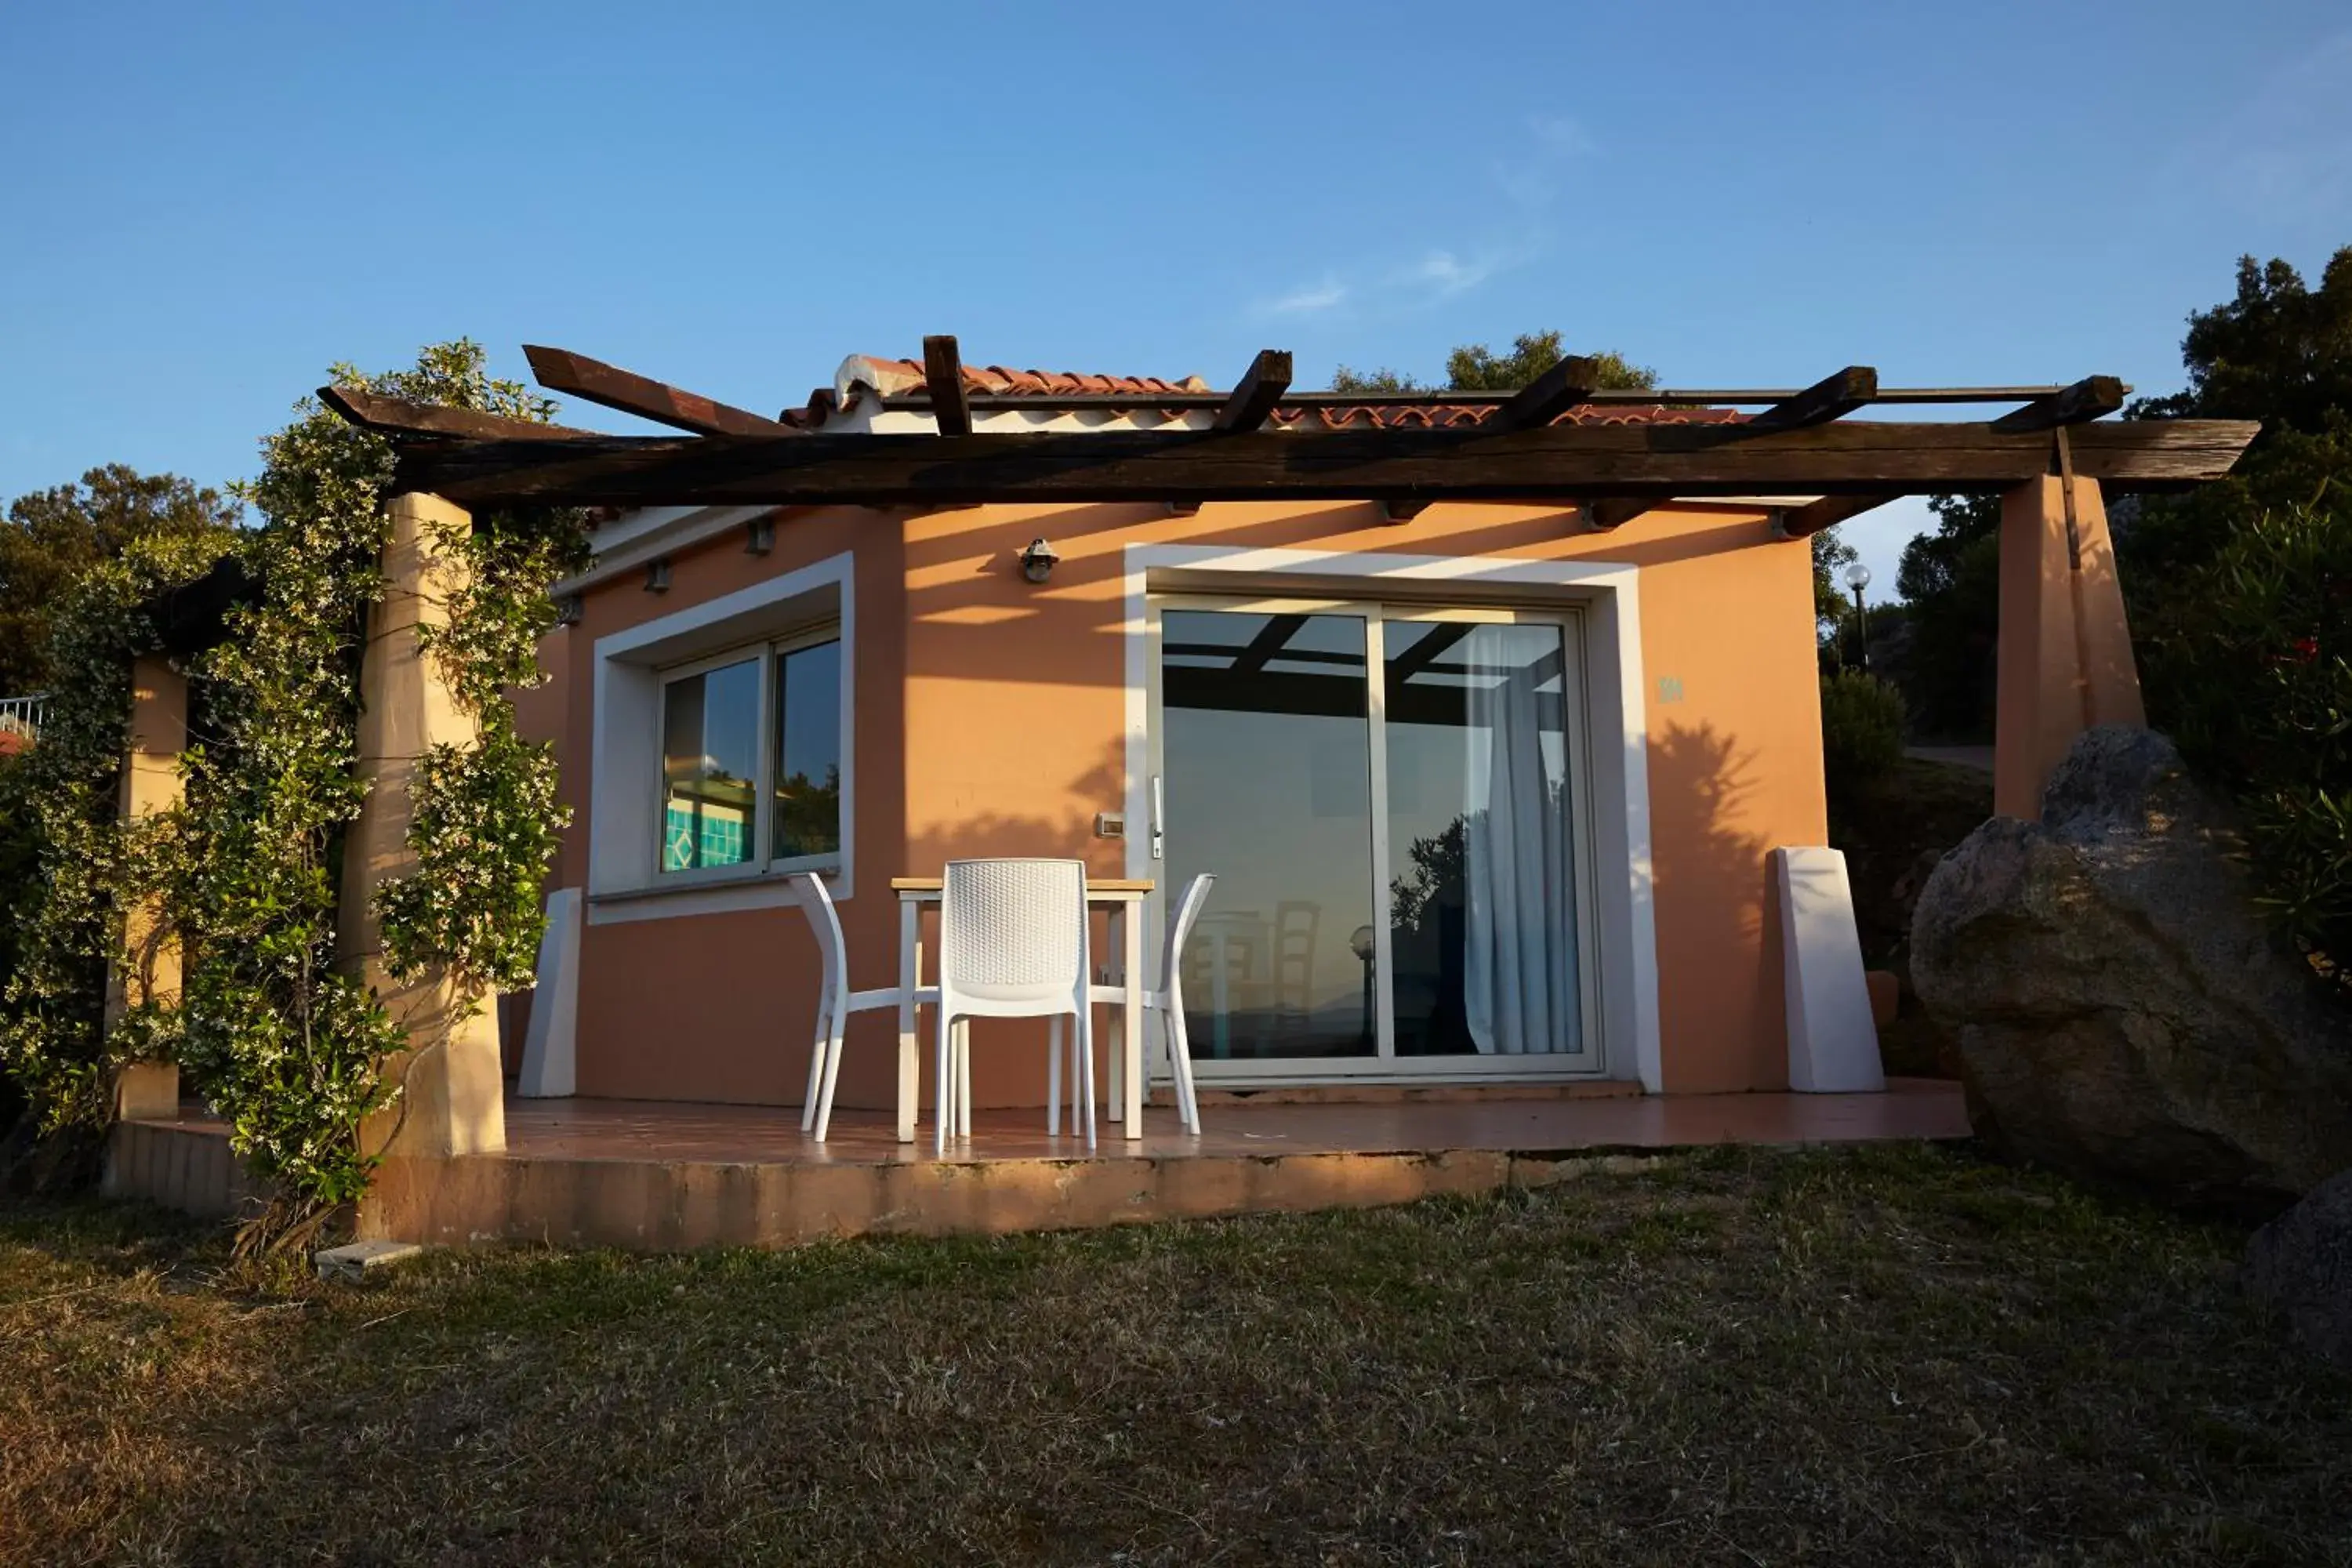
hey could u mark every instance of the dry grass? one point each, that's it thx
(1895, 1356)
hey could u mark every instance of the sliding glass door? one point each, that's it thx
(1390, 799)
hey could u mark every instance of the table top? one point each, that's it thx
(1096, 886)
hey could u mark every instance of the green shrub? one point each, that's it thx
(1862, 729)
(2249, 661)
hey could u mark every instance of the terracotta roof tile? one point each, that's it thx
(862, 374)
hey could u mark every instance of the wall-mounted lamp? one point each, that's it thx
(759, 537)
(569, 609)
(1037, 560)
(658, 575)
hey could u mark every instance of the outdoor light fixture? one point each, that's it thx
(1857, 577)
(1037, 560)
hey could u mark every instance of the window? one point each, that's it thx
(750, 758)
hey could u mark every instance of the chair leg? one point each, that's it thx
(832, 1073)
(1179, 1063)
(946, 1080)
(816, 1064)
(1053, 1077)
(1085, 1031)
(963, 1079)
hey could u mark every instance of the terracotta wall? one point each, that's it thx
(991, 717)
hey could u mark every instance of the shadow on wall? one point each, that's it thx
(1718, 929)
(1068, 834)
(981, 617)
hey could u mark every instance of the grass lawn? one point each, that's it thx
(1892, 1355)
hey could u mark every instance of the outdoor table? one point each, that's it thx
(1122, 900)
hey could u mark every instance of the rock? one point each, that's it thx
(357, 1259)
(2120, 1009)
(2300, 1265)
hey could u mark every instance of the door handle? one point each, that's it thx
(1158, 821)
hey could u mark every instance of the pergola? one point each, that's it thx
(1800, 441)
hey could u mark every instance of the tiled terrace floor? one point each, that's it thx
(667, 1130)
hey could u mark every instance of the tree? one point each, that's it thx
(53, 536)
(2279, 353)
(1474, 368)
(1950, 582)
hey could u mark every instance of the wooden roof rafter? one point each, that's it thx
(593, 381)
(943, 379)
(407, 418)
(1254, 397)
(1802, 442)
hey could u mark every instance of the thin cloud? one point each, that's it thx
(1444, 274)
(1532, 183)
(1312, 300)
(1560, 135)
(2286, 154)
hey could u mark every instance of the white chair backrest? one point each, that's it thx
(1187, 910)
(824, 925)
(1013, 936)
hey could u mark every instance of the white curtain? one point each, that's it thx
(1519, 980)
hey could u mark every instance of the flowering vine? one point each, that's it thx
(275, 1028)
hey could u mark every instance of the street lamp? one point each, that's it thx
(1857, 577)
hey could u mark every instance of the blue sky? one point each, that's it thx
(207, 205)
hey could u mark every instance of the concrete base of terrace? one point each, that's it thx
(660, 1177)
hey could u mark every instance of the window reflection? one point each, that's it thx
(710, 729)
(1266, 740)
(808, 751)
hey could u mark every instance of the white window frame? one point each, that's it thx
(1608, 592)
(633, 671)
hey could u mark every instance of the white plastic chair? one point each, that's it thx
(835, 1001)
(1169, 1000)
(1013, 944)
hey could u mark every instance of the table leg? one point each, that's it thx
(1131, 1016)
(909, 1061)
(1116, 1099)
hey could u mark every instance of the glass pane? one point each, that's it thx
(1266, 742)
(808, 751)
(711, 743)
(1482, 936)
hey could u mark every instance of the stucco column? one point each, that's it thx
(151, 783)
(451, 1090)
(2065, 660)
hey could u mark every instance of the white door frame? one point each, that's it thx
(1607, 593)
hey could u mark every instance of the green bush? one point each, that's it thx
(2249, 661)
(1862, 729)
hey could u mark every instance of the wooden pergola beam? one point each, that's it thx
(1546, 398)
(389, 415)
(1253, 402)
(593, 381)
(1834, 398)
(1553, 462)
(943, 379)
(2093, 397)
(1799, 522)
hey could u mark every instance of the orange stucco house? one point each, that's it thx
(1489, 794)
